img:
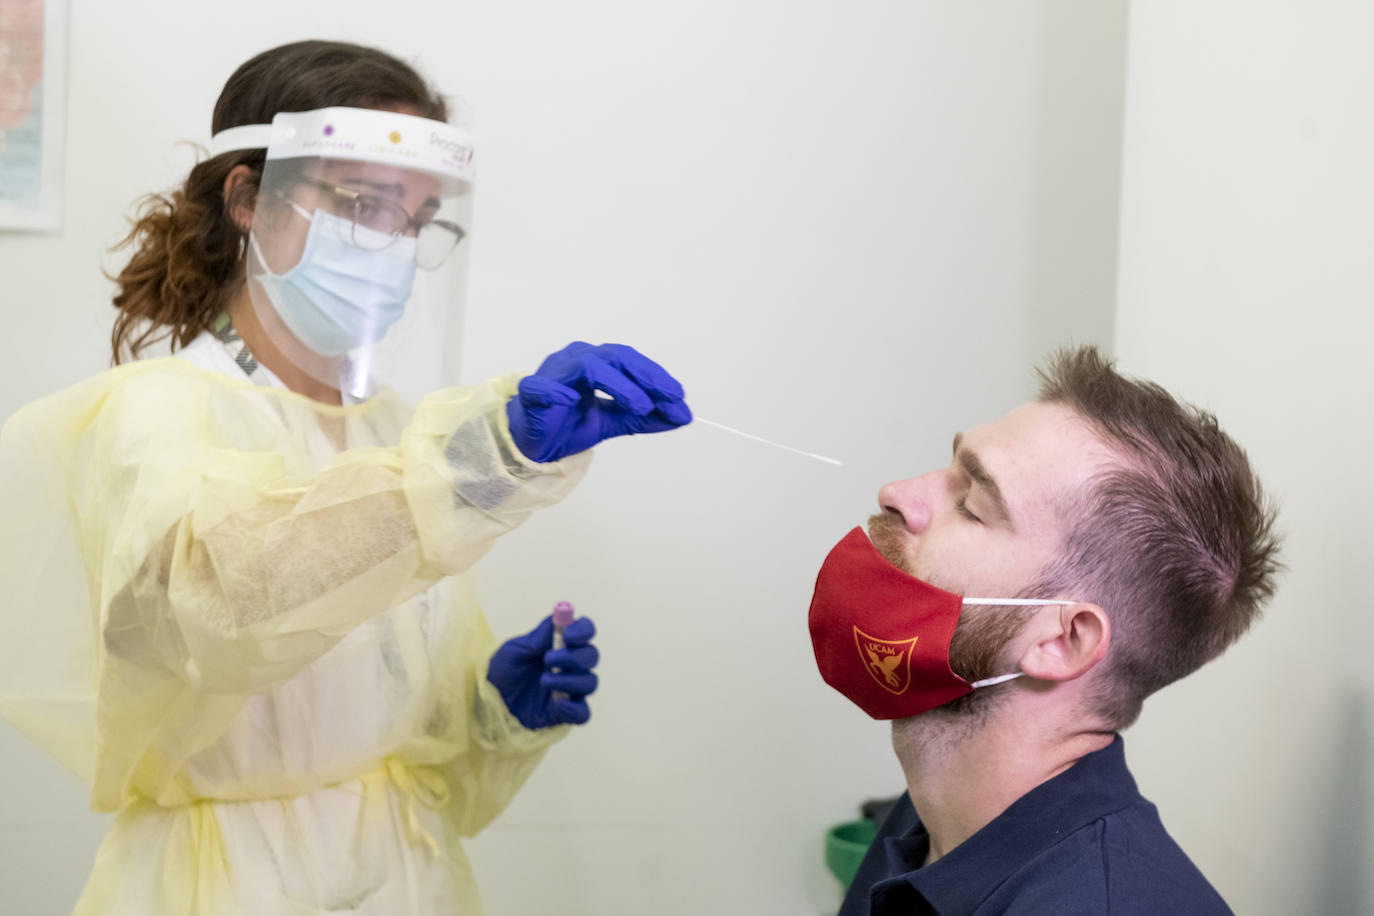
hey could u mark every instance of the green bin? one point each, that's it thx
(845, 845)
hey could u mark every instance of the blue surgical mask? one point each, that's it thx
(340, 296)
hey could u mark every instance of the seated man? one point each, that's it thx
(1124, 542)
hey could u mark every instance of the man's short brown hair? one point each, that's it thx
(1175, 542)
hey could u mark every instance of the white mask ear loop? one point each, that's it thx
(989, 681)
(1019, 602)
(257, 249)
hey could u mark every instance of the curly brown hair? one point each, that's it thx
(188, 255)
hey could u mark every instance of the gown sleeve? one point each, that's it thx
(220, 548)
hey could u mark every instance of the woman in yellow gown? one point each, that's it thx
(239, 605)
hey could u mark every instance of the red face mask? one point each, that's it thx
(881, 636)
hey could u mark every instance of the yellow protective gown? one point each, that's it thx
(243, 619)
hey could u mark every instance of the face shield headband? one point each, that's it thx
(361, 135)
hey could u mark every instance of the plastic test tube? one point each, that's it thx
(563, 615)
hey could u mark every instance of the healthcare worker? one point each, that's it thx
(237, 593)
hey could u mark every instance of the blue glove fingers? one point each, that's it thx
(568, 367)
(625, 423)
(521, 652)
(582, 658)
(541, 391)
(585, 367)
(517, 669)
(579, 632)
(564, 363)
(575, 685)
(665, 390)
(540, 639)
(677, 413)
(662, 420)
(585, 394)
(604, 376)
(570, 712)
(648, 374)
(542, 416)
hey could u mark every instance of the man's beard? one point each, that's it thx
(978, 648)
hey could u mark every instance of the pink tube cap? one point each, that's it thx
(563, 614)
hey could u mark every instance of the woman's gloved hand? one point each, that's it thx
(558, 412)
(527, 670)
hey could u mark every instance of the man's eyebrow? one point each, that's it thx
(973, 467)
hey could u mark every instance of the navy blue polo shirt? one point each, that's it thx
(1085, 843)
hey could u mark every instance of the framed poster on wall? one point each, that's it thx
(33, 69)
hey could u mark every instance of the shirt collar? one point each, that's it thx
(959, 881)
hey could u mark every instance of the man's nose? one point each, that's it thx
(910, 501)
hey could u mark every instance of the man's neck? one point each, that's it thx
(962, 771)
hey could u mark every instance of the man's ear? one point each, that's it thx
(240, 196)
(1069, 640)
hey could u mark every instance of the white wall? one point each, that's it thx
(1247, 284)
(850, 227)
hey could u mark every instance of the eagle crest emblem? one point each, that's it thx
(887, 661)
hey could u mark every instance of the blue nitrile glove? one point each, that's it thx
(558, 412)
(523, 671)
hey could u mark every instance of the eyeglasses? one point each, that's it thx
(435, 239)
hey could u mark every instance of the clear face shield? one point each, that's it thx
(357, 264)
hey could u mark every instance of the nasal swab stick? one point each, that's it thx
(785, 448)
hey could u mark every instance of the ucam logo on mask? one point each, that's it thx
(887, 660)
